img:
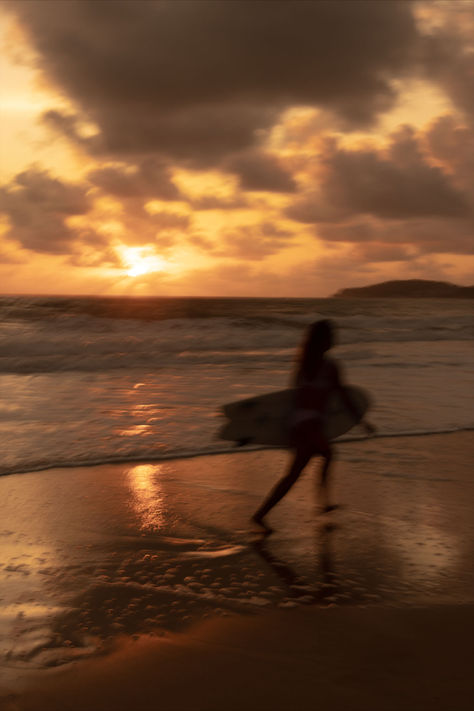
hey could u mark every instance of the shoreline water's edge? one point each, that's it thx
(236, 449)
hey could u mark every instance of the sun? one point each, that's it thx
(141, 260)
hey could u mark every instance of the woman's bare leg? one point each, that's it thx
(301, 459)
(327, 455)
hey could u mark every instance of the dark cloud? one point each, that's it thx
(260, 171)
(253, 242)
(380, 252)
(38, 205)
(420, 236)
(149, 180)
(314, 207)
(414, 197)
(449, 53)
(452, 144)
(163, 229)
(401, 184)
(165, 220)
(213, 202)
(455, 73)
(68, 125)
(198, 135)
(90, 252)
(199, 80)
(396, 184)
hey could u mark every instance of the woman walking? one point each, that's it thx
(317, 377)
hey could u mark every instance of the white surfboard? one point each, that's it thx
(265, 419)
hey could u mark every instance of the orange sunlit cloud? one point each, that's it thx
(141, 260)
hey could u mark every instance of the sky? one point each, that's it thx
(221, 148)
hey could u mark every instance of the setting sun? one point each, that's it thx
(141, 260)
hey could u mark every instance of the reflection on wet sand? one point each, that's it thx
(146, 495)
(318, 587)
(93, 553)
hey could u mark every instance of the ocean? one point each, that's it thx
(91, 380)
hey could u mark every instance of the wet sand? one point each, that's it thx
(141, 586)
(343, 659)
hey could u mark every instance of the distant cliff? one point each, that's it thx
(410, 288)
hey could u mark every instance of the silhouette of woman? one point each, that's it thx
(316, 378)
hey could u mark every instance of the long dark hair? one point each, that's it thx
(318, 340)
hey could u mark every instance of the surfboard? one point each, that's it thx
(265, 419)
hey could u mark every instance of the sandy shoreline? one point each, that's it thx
(351, 659)
(146, 562)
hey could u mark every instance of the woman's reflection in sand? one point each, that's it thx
(325, 583)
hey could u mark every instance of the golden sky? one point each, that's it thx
(234, 148)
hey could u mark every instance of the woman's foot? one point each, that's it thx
(264, 527)
(329, 508)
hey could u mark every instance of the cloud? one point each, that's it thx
(260, 171)
(165, 220)
(263, 96)
(448, 52)
(393, 184)
(381, 252)
(203, 243)
(414, 237)
(197, 81)
(150, 179)
(9, 256)
(38, 205)
(314, 277)
(253, 242)
(169, 228)
(89, 251)
(416, 192)
(213, 202)
(163, 229)
(39, 208)
(452, 144)
(414, 197)
(314, 206)
(68, 125)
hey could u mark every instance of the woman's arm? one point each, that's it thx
(339, 385)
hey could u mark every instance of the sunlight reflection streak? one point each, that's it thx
(146, 495)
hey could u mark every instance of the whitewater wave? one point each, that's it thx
(152, 456)
(88, 344)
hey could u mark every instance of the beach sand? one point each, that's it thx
(141, 586)
(347, 658)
